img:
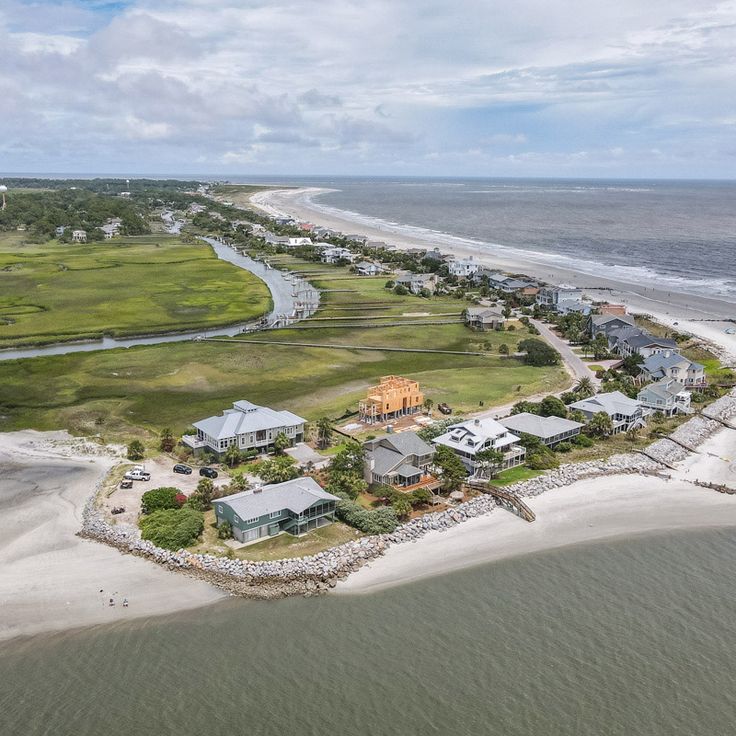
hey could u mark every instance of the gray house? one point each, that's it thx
(400, 460)
(625, 413)
(670, 364)
(484, 318)
(668, 396)
(606, 323)
(550, 430)
(296, 506)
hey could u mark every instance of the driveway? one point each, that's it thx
(574, 364)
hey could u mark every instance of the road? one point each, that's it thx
(574, 364)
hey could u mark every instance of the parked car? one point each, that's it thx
(137, 475)
(208, 472)
(444, 408)
(125, 483)
(183, 469)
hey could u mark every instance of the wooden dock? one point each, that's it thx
(505, 497)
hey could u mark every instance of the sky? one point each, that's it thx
(551, 88)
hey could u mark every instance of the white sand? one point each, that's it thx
(667, 307)
(50, 578)
(590, 510)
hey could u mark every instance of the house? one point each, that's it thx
(307, 227)
(376, 245)
(641, 343)
(333, 254)
(670, 364)
(415, 282)
(366, 268)
(392, 398)
(606, 323)
(667, 396)
(195, 208)
(274, 239)
(549, 430)
(484, 318)
(416, 252)
(295, 242)
(361, 239)
(567, 306)
(625, 413)
(618, 310)
(109, 231)
(295, 506)
(467, 439)
(436, 255)
(60, 230)
(463, 268)
(551, 296)
(79, 236)
(247, 427)
(399, 460)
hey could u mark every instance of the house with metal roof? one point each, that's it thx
(625, 413)
(671, 364)
(606, 323)
(295, 506)
(463, 268)
(367, 268)
(400, 460)
(549, 430)
(668, 396)
(247, 426)
(631, 341)
(467, 439)
(484, 318)
(416, 282)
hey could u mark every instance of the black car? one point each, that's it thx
(183, 469)
(208, 472)
(444, 408)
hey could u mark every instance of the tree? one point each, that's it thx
(526, 407)
(346, 485)
(451, 469)
(232, 456)
(168, 442)
(324, 432)
(201, 498)
(551, 406)
(600, 425)
(490, 461)
(402, 506)
(631, 364)
(280, 443)
(278, 470)
(584, 387)
(538, 353)
(632, 434)
(428, 404)
(136, 450)
(348, 459)
(225, 530)
(503, 349)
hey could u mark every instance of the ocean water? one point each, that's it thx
(627, 638)
(672, 235)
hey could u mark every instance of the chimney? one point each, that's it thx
(477, 422)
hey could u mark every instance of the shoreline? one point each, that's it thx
(664, 306)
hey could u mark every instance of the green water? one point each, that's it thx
(632, 637)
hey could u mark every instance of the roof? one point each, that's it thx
(664, 389)
(599, 320)
(407, 471)
(484, 313)
(295, 495)
(246, 417)
(539, 426)
(643, 339)
(388, 453)
(661, 362)
(471, 436)
(366, 264)
(612, 403)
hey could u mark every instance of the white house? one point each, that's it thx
(415, 282)
(550, 430)
(463, 268)
(79, 236)
(366, 268)
(333, 254)
(562, 299)
(632, 341)
(248, 427)
(294, 242)
(467, 439)
(625, 413)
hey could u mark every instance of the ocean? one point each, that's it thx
(625, 638)
(670, 235)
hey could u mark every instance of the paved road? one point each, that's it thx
(574, 364)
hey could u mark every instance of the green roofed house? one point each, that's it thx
(297, 506)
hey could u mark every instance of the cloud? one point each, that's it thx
(347, 86)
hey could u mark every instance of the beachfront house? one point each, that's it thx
(484, 318)
(296, 506)
(607, 323)
(463, 268)
(247, 427)
(625, 413)
(335, 254)
(367, 268)
(670, 364)
(401, 461)
(549, 430)
(550, 296)
(630, 341)
(273, 239)
(667, 396)
(416, 282)
(468, 439)
(436, 255)
(355, 238)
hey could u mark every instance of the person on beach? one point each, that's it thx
(112, 602)
(125, 602)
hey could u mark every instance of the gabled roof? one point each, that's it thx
(600, 320)
(295, 495)
(246, 417)
(543, 427)
(666, 389)
(645, 340)
(612, 403)
(390, 453)
(472, 435)
(662, 362)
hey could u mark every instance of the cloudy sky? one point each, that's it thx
(630, 88)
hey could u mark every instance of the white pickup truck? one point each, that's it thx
(137, 474)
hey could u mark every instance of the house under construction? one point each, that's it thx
(394, 397)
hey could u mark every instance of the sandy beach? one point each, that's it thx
(51, 579)
(667, 307)
(588, 511)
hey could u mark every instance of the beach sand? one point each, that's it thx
(602, 508)
(51, 579)
(667, 307)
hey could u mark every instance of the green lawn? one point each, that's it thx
(147, 284)
(514, 475)
(121, 394)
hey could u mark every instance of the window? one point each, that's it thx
(253, 520)
(274, 514)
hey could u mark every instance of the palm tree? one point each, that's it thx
(584, 387)
(428, 404)
(324, 432)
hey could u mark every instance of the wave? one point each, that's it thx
(639, 275)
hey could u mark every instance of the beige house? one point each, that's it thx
(484, 318)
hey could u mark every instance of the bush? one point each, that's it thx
(225, 530)
(538, 353)
(159, 499)
(136, 450)
(542, 458)
(379, 521)
(563, 447)
(172, 528)
(582, 440)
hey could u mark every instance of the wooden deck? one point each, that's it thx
(505, 497)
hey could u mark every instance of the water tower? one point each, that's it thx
(3, 189)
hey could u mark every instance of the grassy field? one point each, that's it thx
(120, 394)
(146, 284)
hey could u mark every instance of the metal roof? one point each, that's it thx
(539, 426)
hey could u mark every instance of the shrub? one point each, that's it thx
(582, 440)
(538, 353)
(542, 458)
(172, 528)
(379, 521)
(136, 450)
(225, 530)
(158, 499)
(563, 447)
